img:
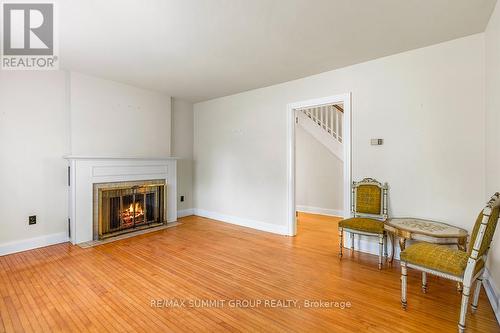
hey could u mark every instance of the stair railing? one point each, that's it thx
(328, 117)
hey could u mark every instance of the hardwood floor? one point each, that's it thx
(111, 287)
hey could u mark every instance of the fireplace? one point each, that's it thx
(122, 207)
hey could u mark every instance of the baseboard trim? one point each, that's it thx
(320, 211)
(185, 212)
(492, 293)
(33, 243)
(262, 226)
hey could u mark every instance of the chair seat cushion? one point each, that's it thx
(438, 257)
(363, 224)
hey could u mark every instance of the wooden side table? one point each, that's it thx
(424, 230)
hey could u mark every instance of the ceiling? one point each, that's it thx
(202, 49)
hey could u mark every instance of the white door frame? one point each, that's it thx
(345, 99)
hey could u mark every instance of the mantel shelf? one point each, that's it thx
(83, 157)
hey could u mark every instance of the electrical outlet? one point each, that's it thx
(182, 198)
(32, 219)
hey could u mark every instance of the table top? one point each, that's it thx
(426, 227)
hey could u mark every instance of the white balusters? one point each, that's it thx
(337, 124)
(340, 122)
(330, 120)
(328, 117)
(323, 117)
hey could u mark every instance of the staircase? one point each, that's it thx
(324, 123)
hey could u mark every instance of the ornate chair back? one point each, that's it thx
(482, 234)
(369, 199)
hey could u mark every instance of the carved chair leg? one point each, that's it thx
(463, 308)
(403, 285)
(341, 241)
(352, 241)
(380, 250)
(477, 290)
(424, 282)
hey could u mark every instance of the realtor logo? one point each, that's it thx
(28, 41)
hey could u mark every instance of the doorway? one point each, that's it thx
(331, 117)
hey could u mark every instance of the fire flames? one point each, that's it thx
(133, 211)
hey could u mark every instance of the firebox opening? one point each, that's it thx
(128, 206)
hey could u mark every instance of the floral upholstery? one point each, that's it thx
(368, 199)
(363, 224)
(438, 257)
(488, 235)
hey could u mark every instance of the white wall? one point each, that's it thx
(492, 127)
(427, 105)
(182, 147)
(319, 176)
(114, 119)
(33, 138)
(46, 115)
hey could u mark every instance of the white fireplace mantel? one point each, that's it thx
(84, 171)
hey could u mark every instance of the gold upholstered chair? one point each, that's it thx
(369, 210)
(465, 267)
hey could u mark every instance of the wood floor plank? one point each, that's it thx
(110, 287)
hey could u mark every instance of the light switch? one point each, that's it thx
(377, 142)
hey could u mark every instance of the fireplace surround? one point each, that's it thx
(86, 171)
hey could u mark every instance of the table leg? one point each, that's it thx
(391, 235)
(385, 246)
(462, 246)
(402, 243)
